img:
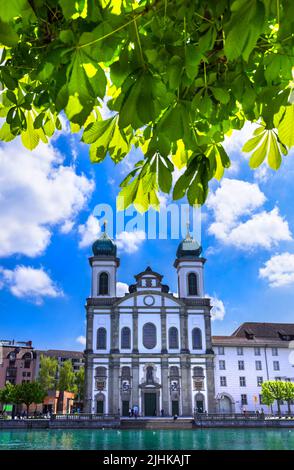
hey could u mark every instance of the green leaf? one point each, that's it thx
(30, 138)
(274, 155)
(14, 8)
(5, 133)
(8, 36)
(252, 143)
(164, 176)
(221, 95)
(244, 28)
(286, 127)
(258, 157)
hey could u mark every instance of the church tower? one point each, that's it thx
(189, 265)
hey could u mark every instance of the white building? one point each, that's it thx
(154, 351)
(254, 353)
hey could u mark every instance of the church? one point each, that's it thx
(149, 350)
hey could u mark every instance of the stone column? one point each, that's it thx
(163, 331)
(211, 402)
(165, 385)
(184, 331)
(114, 329)
(116, 387)
(89, 362)
(135, 331)
(89, 371)
(207, 323)
(186, 386)
(135, 383)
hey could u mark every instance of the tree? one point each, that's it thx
(178, 76)
(30, 392)
(288, 394)
(273, 390)
(80, 384)
(67, 377)
(7, 395)
(48, 372)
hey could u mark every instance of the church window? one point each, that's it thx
(126, 372)
(196, 338)
(101, 338)
(103, 284)
(149, 335)
(173, 338)
(149, 374)
(125, 338)
(192, 284)
(198, 372)
(174, 371)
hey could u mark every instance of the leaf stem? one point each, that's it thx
(139, 43)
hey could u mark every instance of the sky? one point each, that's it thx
(49, 217)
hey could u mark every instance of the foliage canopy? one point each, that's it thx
(178, 75)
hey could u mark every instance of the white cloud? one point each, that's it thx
(37, 193)
(236, 222)
(218, 310)
(81, 340)
(29, 283)
(130, 241)
(279, 270)
(235, 141)
(121, 289)
(89, 231)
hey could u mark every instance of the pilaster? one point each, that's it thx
(165, 385)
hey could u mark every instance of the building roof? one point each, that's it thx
(104, 246)
(258, 334)
(62, 353)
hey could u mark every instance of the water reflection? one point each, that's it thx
(106, 439)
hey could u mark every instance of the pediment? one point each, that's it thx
(148, 298)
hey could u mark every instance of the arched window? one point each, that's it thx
(198, 372)
(101, 338)
(149, 375)
(174, 371)
(149, 335)
(126, 372)
(100, 371)
(192, 284)
(173, 338)
(125, 338)
(196, 338)
(27, 357)
(103, 284)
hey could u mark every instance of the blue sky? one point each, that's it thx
(47, 199)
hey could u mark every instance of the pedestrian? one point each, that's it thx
(162, 412)
(130, 412)
(175, 417)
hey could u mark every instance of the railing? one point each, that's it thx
(240, 416)
(83, 417)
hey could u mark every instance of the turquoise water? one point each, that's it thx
(212, 439)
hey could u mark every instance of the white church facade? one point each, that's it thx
(154, 352)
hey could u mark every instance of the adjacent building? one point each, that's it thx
(17, 362)
(76, 358)
(254, 353)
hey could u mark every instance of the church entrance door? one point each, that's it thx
(175, 407)
(125, 407)
(150, 404)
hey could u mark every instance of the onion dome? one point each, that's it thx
(104, 246)
(189, 248)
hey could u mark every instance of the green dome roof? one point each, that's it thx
(104, 246)
(189, 248)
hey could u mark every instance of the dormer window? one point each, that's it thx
(192, 284)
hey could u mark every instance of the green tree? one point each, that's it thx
(7, 395)
(179, 76)
(67, 378)
(80, 384)
(288, 394)
(48, 372)
(273, 390)
(30, 392)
